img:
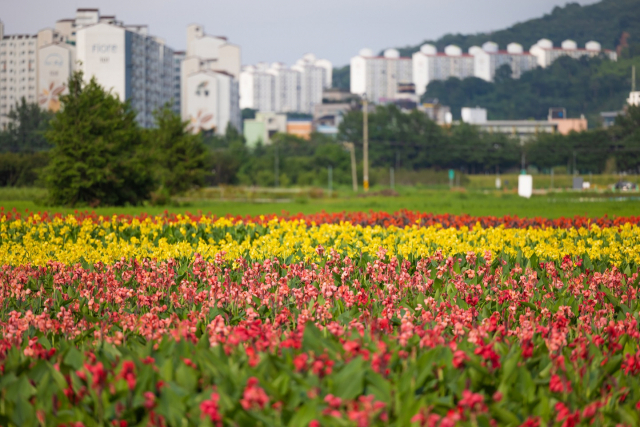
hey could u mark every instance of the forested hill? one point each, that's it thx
(584, 86)
(604, 22)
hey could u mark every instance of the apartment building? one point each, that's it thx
(257, 88)
(18, 77)
(546, 53)
(178, 56)
(429, 64)
(128, 61)
(124, 59)
(379, 77)
(210, 72)
(489, 58)
(277, 88)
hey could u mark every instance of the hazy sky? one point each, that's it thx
(284, 30)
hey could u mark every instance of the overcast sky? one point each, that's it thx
(284, 30)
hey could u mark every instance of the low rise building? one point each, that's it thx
(608, 118)
(263, 127)
(557, 122)
(302, 128)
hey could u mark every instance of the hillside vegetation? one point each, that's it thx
(604, 22)
(584, 86)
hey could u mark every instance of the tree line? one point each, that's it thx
(94, 153)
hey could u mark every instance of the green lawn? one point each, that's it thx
(443, 200)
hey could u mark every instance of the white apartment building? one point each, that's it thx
(277, 88)
(545, 53)
(18, 77)
(429, 64)
(131, 63)
(489, 58)
(210, 71)
(379, 76)
(286, 88)
(315, 76)
(634, 98)
(257, 88)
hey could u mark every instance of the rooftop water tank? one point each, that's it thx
(490, 47)
(391, 53)
(366, 52)
(569, 45)
(309, 57)
(545, 43)
(515, 48)
(474, 49)
(592, 45)
(428, 49)
(452, 50)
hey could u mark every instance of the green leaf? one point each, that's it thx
(73, 359)
(349, 382)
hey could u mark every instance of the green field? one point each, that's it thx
(237, 201)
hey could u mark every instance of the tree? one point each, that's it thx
(180, 156)
(97, 156)
(25, 131)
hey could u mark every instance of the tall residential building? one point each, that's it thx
(429, 65)
(178, 56)
(127, 60)
(18, 77)
(124, 59)
(315, 76)
(286, 88)
(379, 77)
(545, 53)
(210, 97)
(280, 89)
(489, 58)
(257, 88)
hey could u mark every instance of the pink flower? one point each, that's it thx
(209, 408)
(253, 396)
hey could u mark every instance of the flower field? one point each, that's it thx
(357, 319)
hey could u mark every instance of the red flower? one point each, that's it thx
(127, 373)
(209, 408)
(459, 357)
(472, 401)
(253, 396)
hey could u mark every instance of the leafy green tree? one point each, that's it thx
(625, 137)
(98, 156)
(25, 132)
(180, 156)
(227, 154)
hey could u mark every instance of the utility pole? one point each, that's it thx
(354, 172)
(365, 143)
(276, 166)
(392, 178)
